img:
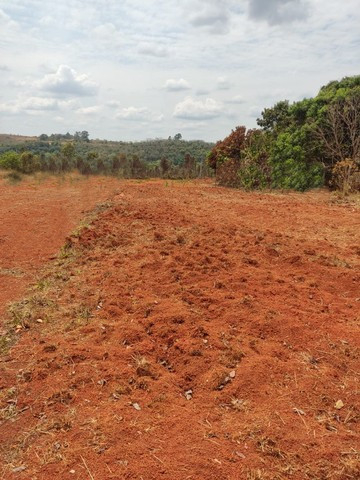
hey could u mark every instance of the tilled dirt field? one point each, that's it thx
(35, 217)
(190, 332)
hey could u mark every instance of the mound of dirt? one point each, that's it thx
(191, 332)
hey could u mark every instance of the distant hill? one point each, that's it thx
(8, 139)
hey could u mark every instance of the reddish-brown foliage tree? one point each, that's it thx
(229, 148)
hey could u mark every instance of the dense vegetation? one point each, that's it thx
(171, 158)
(306, 144)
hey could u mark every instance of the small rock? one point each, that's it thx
(239, 454)
(299, 411)
(19, 469)
(72, 472)
(136, 406)
(339, 405)
(39, 320)
(232, 374)
(188, 394)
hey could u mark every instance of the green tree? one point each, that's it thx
(10, 160)
(137, 167)
(164, 166)
(189, 166)
(68, 155)
(276, 118)
(339, 130)
(82, 136)
(289, 166)
(29, 162)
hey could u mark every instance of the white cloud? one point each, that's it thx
(67, 82)
(47, 20)
(138, 114)
(223, 83)
(9, 108)
(212, 15)
(108, 34)
(29, 104)
(255, 111)
(173, 85)
(38, 103)
(89, 110)
(278, 11)
(197, 109)
(35, 104)
(6, 20)
(133, 113)
(236, 99)
(153, 50)
(202, 91)
(113, 104)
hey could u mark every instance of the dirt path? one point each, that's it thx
(192, 332)
(36, 215)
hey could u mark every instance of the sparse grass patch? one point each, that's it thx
(8, 402)
(43, 284)
(352, 199)
(11, 272)
(14, 177)
(82, 226)
(54, 453)
(100, 207)
(9, 412)
(7, 394)
(66, 251)
(257, 474)
(6, 341)
(83, 313)
(41, 177)
(232, 357)
(238, 404)
(268, 446)
(23, 313)
(79, 316)
(142, 366)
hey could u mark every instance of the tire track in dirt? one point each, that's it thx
(36, 215)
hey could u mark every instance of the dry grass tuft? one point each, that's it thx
(142, 366)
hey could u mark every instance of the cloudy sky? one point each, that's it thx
(137, 69)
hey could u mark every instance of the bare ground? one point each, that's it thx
(190, 332)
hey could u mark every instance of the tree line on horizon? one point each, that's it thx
(171, 158)
(311, 143)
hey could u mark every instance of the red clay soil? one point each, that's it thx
(191, 332)
(35, 217)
